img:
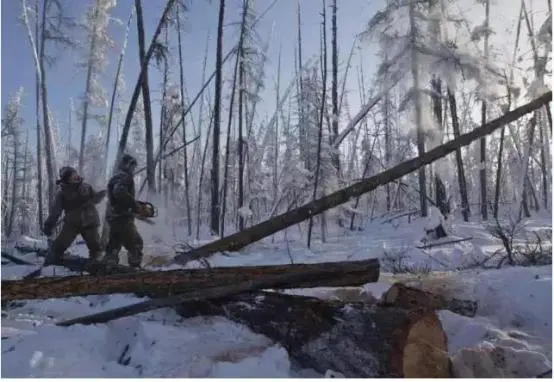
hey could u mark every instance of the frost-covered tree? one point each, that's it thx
(93, 62)
(413, 33)
(53, 30)
(13, 153)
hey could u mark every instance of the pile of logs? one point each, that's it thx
(399, 335)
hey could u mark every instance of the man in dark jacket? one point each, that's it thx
(77, 200)
(120, 215)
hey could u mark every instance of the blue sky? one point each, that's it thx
(65, 81)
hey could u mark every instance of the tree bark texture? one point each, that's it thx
(164, 283)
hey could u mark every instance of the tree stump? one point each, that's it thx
(407, 297)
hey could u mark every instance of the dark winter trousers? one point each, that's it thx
(124, 233)
(66, 237)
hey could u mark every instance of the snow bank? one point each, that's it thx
(131, 347)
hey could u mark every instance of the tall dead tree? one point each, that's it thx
(214, 215)
(241, 105)
(88, 84)
(138, 86)
(149, 128)
(499, 162)
(441, 198)
(114, 90)
(462, 184)
(239, 56)
(185, 150)
(334, 84)
(418, 106)
(483, 142)
(50, 30)
(321, 114)
(39, 138)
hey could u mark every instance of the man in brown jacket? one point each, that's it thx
(120, 215)
(77, 200)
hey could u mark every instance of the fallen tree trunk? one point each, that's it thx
(357, 339)
(16, 260)
(438, 244)
(197, 295)
(241, 239)
(166, 283)
(406, 297)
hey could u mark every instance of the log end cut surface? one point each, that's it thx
(407, 297)
(425, 349)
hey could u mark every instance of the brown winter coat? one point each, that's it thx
(77, 201)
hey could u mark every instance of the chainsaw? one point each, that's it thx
(145, 211)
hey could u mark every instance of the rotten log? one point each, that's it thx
(403, 296)
(267, 228)
(166, 283)
(357, 339)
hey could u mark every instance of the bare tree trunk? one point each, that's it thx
(549, 116)
(165, 124)
(418, 112)
(483, 143)
(200, 193)
(302, 117)
(388, 143)
(334, 84)
(500, 165)
(48, 136)
(6, 189)
(203, 160)
(149, 128)
(39, 140)
(214, 216)
(544, 167)
(321, 115)
(525, 165)
(230, 118)
(114, 91)
(240, 152)
(462, 184)
(441, 199)
(276, 140)
(86, 100)
(182, 87)
(138, 86)
(15, 181)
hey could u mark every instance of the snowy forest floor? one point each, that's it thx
(514, 308)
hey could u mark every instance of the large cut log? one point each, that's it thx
(358, 340)
(245, 237)
(165, 283)
(407, 297)
(195, 295)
